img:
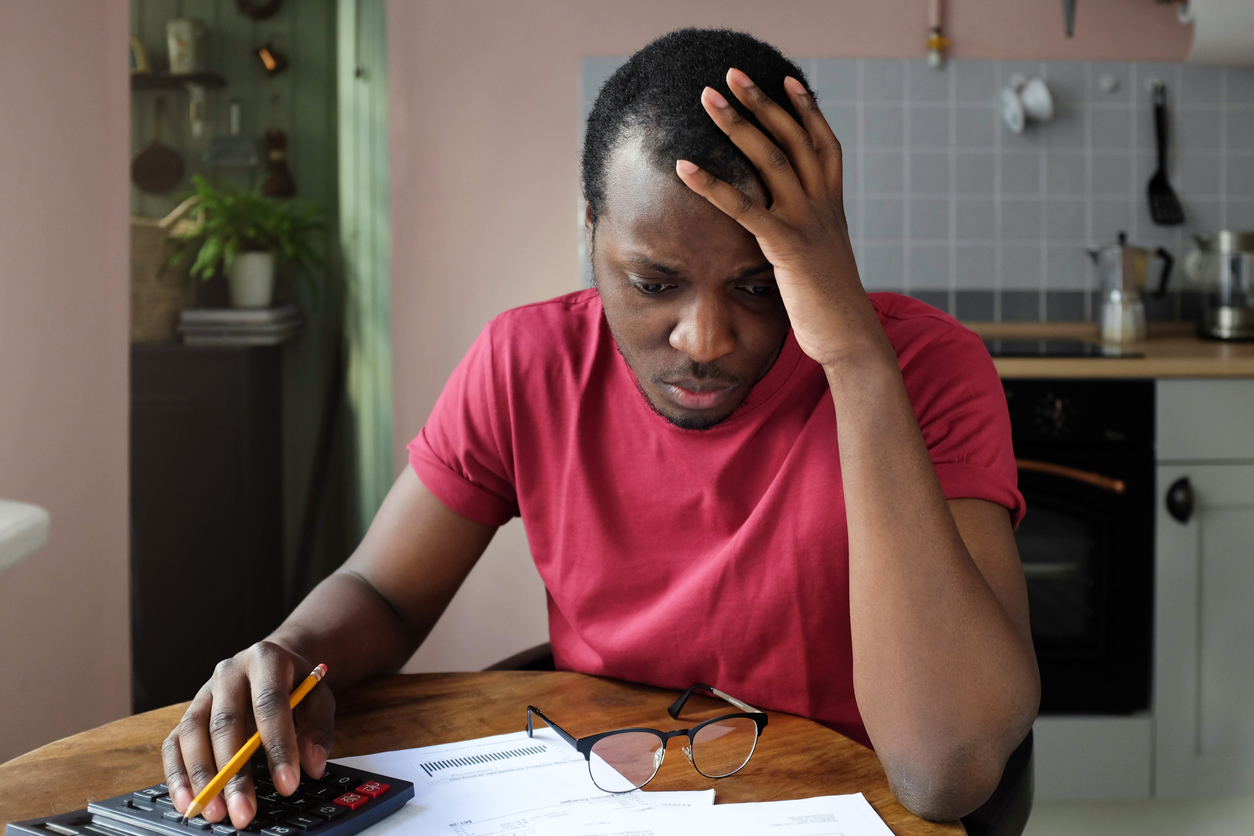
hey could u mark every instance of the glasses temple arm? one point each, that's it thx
(531, 709)
(678, 705)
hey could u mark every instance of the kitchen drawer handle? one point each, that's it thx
(1180, 499)
(1097, 480)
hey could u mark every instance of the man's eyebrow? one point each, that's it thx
(649, 264)
(644, 262)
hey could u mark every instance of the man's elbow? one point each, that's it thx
(945, 787)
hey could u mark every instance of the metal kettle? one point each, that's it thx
(1122, 274)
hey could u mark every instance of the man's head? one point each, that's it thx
(688, 295)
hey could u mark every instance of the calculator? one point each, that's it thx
(342, 802)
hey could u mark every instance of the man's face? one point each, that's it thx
(688, 295)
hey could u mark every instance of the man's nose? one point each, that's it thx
(704, 331)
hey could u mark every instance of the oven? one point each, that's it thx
(1085, 450)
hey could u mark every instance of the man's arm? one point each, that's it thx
(943, 666)
(365, 619)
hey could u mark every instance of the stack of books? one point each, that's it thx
(235, 327)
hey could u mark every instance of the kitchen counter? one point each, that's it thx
(1172, 350)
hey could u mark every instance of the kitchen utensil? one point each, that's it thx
(155, 168)
(273, 57)
(188, 42)
(1024, 98)
(1223, 264)
(278, 182)
(1068, 16)
(1122, 271)
(258, 9)
(233, 151)
(1164, 206)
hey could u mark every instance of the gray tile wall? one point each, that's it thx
(947, 205)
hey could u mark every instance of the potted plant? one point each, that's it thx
(242, 235)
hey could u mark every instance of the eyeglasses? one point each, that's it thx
(627, 759)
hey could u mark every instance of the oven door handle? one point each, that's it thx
(1097, 480)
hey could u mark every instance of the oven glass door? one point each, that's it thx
(1087, 552)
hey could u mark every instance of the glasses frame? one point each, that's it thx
(584, 745)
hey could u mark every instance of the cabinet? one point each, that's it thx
(1204, 590)
(206, 512)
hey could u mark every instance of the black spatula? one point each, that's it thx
(1164, 206)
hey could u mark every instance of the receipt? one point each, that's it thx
(509, 783)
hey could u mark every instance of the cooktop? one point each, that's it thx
(1055, 348)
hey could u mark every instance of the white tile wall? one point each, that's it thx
(946, 204)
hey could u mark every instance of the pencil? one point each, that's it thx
(246, 751)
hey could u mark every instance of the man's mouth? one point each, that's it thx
(691, 393)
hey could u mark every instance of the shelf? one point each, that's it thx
(149, 81)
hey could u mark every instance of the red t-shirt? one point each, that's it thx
(676, 556)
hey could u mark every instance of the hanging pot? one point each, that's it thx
(251, 280)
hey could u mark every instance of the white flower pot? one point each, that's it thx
(252, 280)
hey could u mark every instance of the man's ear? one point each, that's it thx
(589, 225)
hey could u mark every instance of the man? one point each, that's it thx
(734, 466)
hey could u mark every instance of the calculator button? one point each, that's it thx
(373, 789)
(173, 815)
(299, 803)
(148, 795)
(224, 830)
(351, 800)
(270, 810)
(279, 830)
(200, 823)
(132, 804)
(335, 779)
(323, 791)
(305, 823)
(328, 811)
(271, 795)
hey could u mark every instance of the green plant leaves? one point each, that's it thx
(228, 222)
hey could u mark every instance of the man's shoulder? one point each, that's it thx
(548, 343)
(570, 316)
(911, 325)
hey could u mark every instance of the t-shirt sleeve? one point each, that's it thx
(961, 406)
(464, 453)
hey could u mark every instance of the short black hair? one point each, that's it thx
(657, 95)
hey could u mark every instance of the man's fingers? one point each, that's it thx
(229, 729)
(826, 146)
(315, 729)
(175, 773)
(792, 138)
(771, 162)
(197, 752)
(271, 676)
(746, 211)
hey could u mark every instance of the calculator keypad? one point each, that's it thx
(333, 805)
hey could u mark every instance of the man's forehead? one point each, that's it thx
(638, 183)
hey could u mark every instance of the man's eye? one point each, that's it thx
(759, 290)
(650, 288)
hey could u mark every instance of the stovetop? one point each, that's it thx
(1055, 348)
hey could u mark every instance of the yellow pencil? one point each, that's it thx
(241, 757)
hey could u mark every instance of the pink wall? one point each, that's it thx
(484, 155)
(64, 127)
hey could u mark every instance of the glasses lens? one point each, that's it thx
(622, 762)
(722, 747)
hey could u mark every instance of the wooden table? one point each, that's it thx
(795, 758)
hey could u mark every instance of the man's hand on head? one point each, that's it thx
(803, 232)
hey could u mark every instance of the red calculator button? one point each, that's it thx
(372, 788)
(351, 800)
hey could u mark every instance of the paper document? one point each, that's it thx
(496, 785)
(829, 815)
